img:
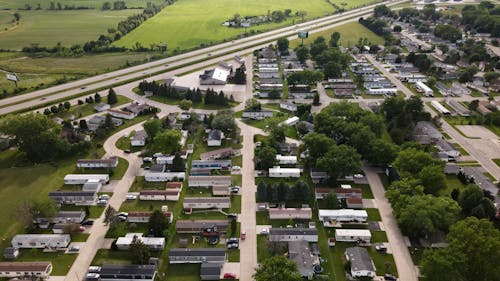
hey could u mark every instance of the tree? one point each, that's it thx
(334, 39)
(167, 141)
(71, 228)
(252, 105)
(340, 161)
(140, 252)
(152, 127)
(157, 224)
(36, 135)
(185, 104)
(331, 201)
(473, 105)
(83, 125)
(66, 105)
(412, 161)
(316, 145)
(31, 210)
(47, 112)
(17, 17)
(448, 32)
(308, 77)
(381, 152)
(473, 253)
(97, 97)
(474, 203)
(112, 99)
(426, 215)
(277, 268)
(178, 164)
(397, 28)
(109, 214)
(433, 179)
(266, 156)
(302, 53)
(283, 45)
(224, 121)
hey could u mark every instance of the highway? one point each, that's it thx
(209, 55)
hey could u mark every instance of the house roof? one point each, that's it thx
(158, 192)
(72, 193)
(211, 269)
(24, 266)
(300, 253)
(157, 168)
(140, 136)
(293, 231)
(112, 269)
(70, 214)
(354, 200)
(359, 258)
(215, 135)
(188, 200)
(278, 211)
(201, 223)
(196, 252)
(110, 161)
(216, 152)
(174, 184)
(117, 111)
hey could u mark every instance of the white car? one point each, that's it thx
(131, 197)
(264, 231)
(358, 176)
(104, 197)
(236, 168)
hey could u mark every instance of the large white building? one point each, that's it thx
(26, 269)
(166, 176)
(216, 76)
(153, 243)
(278, 172)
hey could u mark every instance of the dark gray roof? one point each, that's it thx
(293, 231)
(300, 253)
(72, 193)
(9, 251)
(215, 135)
(109, 270)
(359, 258)
(210, 269)
(213, 252)
(157, 168)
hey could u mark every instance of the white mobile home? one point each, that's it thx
(111, 162)
(278, 172)
(207, 202)
(428, 92)
(83, 178)
(343, 215)
(167, 176)
(293, 234)
(353, 235)
(361, 263)
(26, 269)
(41, 241)
(290, 213)
(159, 195)
(286, 160)
(153, 243)
(290, 121)
(209, 181)
(439, 107)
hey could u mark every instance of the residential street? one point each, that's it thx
(404, 263)
(248, 247)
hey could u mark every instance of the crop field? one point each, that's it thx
(349, 35)
(189, 23)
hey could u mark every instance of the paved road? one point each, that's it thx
(406, 268)
(248, 248)
(466, 143)
(95, 240)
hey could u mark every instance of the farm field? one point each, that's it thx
(47, 28)
(349, 35)
(44, 4)
(35, 72)
(190, 23)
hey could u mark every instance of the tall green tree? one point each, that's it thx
(112, 99)
(140, 252)
(283, 45)
(473, 254)
(331, 201)
(266, 157)
(167, 141)
(152, 127)
(277, 268)
(157, 224)
(340, 161)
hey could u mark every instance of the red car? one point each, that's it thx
(229, 276)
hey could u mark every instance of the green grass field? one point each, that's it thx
(44, 4)
(349, 35)
(46, 28)
(189, 23)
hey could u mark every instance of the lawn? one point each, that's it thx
(235, 204)
(111, 257)
(202, 20)
(262, 248)
(182, 272)
(497, 161)
(349, 35)
(115, 174)
(262, 218)
(199, 105)
(79, 237)
(21, 184)
(47, 28)
(263, 124)
(379, 237)
(233, 255)
(61, 262)
(452, 182)
(79, 111)
(373, 214)
(41, 72)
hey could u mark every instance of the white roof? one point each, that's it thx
(345, 186)
(284, 170)
(342, 212)
(353, 232)
(286, 157)
(220, 74)
(424, 87)
(291, 120)
(86, 176)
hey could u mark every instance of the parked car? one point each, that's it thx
(358, 176)
(236, 168)
(381, 248)
(130, 197)
(87, 222)
(104, 197)
(93, 276)
(389, 277)
(229, 275)
(243, 235)
(74, 249)
(264, 231)
(233, 245)
(102, 202)
(94, 269)
(127, 151)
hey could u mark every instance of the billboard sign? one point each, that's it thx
(12, 77)
(303, 34)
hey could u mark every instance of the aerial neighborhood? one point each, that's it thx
(300, 141)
